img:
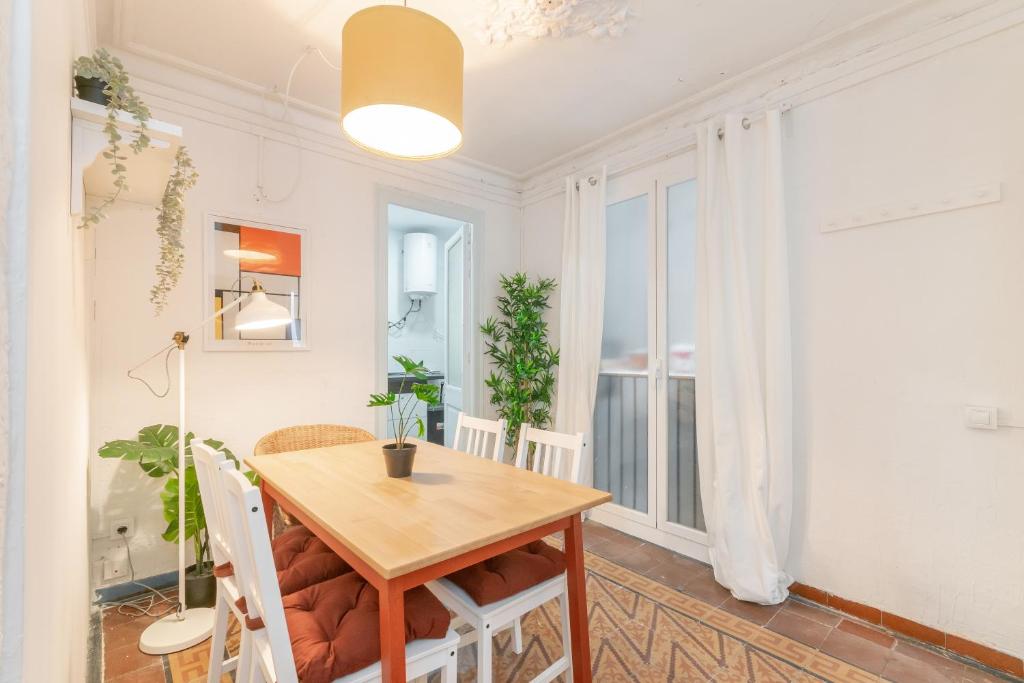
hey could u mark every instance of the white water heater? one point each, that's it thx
(419, 264)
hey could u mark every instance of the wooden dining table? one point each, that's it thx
(454, 511)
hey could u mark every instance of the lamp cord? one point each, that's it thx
(167, 371)
(139, 605)
(261, 194)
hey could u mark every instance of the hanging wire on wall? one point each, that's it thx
(261, 194)
(403, 321)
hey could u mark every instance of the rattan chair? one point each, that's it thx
(300, 438)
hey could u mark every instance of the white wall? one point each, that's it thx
(542, 249)
(896, 328)
(239, 396)
(46, 580)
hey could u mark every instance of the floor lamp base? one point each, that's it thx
(177, 632)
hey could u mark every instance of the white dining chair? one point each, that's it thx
(267, 619)
(209, 464)
(552, 450)
(473, 433)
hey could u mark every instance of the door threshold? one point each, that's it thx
(683, 546)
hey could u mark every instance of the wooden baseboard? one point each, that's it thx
(907, 627)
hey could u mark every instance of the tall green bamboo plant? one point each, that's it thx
(522, 380)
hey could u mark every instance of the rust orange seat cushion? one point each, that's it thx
(509, 573)
(302, 560)
(334, 626)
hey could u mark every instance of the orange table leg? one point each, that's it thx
(268, 508)
(578, 629)
(392, 633)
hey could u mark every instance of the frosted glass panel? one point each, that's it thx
(621, 408)
(624, 345)
(683, 489)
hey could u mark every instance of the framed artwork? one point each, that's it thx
(239, 252)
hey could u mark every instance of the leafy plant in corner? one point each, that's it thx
(121, 97)
(523, 377)
(170, 220)
(155, 449)
(401, 405)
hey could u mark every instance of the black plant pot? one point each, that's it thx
(201, 586)
(398, 461)
(91, 90)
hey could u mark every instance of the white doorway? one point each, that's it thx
(428, 309)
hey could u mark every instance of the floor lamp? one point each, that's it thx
(186, 626)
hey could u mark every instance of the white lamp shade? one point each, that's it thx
(260, 313)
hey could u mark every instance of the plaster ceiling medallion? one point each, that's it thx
(506, 20)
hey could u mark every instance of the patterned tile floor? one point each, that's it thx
(867, 647)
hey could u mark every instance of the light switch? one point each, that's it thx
(982, 417)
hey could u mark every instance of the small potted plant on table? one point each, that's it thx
(398, 456)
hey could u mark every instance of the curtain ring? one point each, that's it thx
(745, 123)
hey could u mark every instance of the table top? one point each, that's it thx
(453, 503)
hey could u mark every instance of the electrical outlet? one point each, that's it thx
(115, 569)
(126, 523)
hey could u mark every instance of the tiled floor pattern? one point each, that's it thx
(822, 638)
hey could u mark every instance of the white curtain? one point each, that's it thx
(744, 385)
(582, 309)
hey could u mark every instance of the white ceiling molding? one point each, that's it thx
(506, 20)
(168, 88)
(842, 62)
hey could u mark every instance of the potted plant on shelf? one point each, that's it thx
(102, 79)
(155, 448)
(398, 456)
(117, 94)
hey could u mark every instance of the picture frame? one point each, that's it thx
(240, 250)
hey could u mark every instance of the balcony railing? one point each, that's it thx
(621, 448)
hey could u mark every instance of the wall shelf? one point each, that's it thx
(90, 172)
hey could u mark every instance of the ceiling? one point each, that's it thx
(527, 101)
(404, 219)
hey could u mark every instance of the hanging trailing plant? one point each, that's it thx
(523, 377)
(121, 96)
(104, 70)
(170, 221)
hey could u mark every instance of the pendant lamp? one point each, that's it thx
(401, 83)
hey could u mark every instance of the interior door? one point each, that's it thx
(644, 416)
(456, 271)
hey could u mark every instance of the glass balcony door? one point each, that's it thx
(644, 417)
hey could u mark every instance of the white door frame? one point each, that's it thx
(473, 353)
(463, 235)
(653, 525)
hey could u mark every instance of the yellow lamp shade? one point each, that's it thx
(401, 83)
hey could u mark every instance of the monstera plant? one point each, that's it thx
(155, 449)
